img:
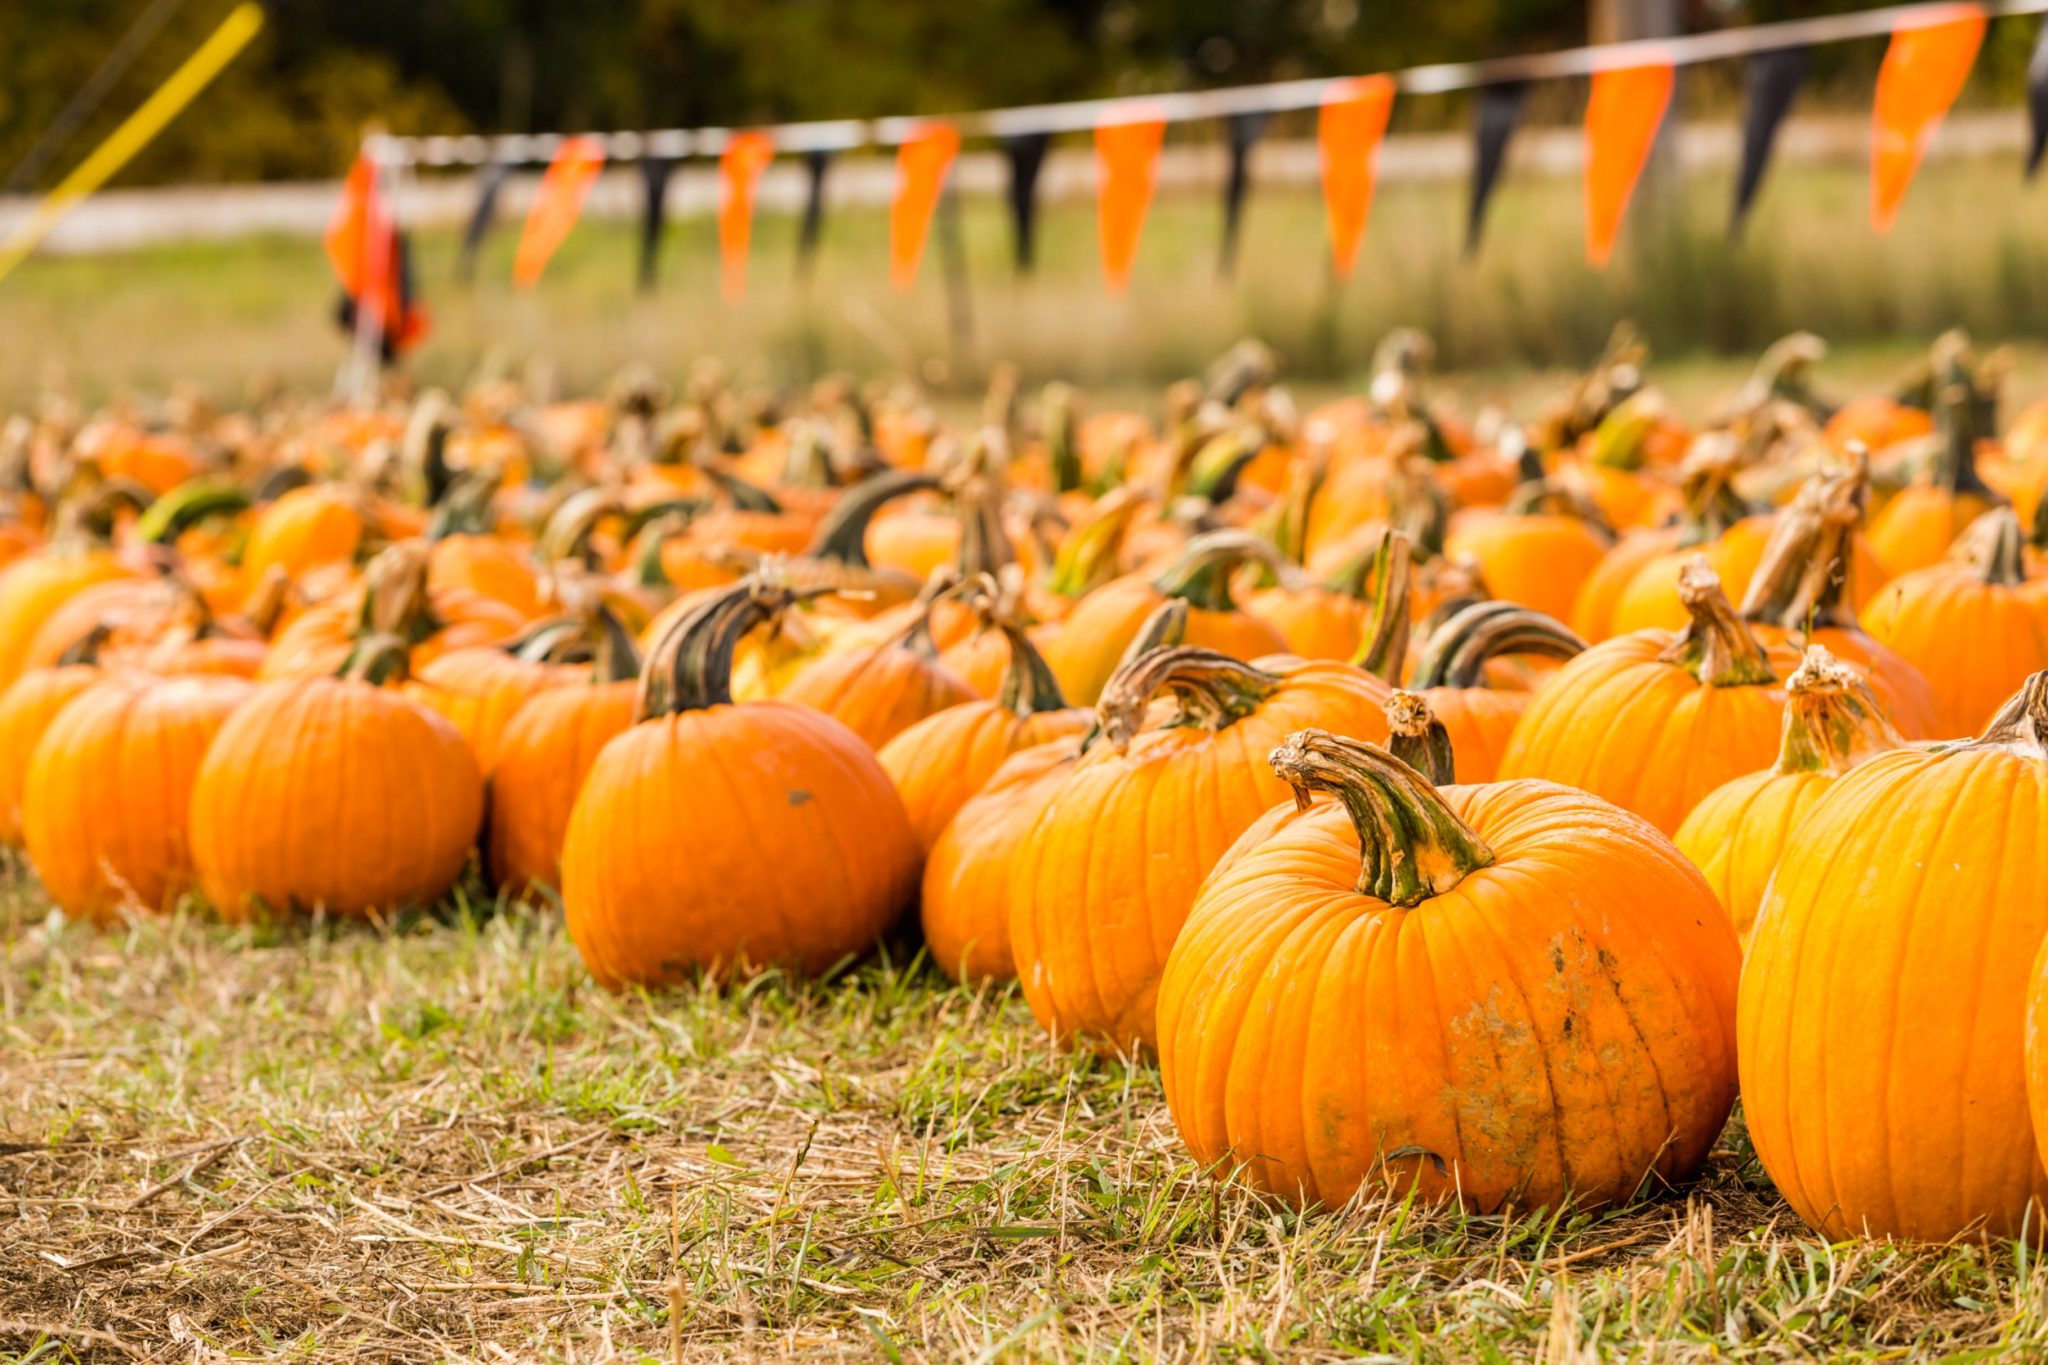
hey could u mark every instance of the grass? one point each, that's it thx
(1967, 251)
(435, 1139)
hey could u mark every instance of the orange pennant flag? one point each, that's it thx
(1924, 70)
(1127, 144)
(1348, 132)
(921, 165)
(739, 170)
(1622, 119)
(557, 204)
(362, 246)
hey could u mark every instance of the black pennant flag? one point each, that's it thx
(654, 174)
(2037, 101)
(1026, 152)
(1773, 80)
(1243, 131)
(811, 230)
(490, 184)
(1500, 109)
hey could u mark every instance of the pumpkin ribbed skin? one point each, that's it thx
(877, 693)
(1558, 1025)
(480, 690)
(109, 787)
(965, 904)
(328, 793)
(941, 761)
(1539, 560)
(1112, 862)
(26, 710)
(762, 833)
(1739, 831)
(1880, 1022)
(542, 757)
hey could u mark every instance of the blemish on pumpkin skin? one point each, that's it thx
(798, 796)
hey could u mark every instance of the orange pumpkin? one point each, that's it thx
(1526, 995)
(1740, 831)
(26, 710)
(1654, 721)
(109, 786)
(1112, 861)
(1452, 676)
(712, 835)
(1538, 550)
(334, 794)
(1881, 1022)
(882, 690)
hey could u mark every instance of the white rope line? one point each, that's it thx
(1278, 97)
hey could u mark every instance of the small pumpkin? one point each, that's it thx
(335, 794)
(1509, 992)
(26, 709)
(1739, 831)
(1881, 1021)
(1117, 851)
(881, 690)
(1537, 550)
(712, 835)
(109, 787)
(1916, 527)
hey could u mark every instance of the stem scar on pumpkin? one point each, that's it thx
(1413, 846)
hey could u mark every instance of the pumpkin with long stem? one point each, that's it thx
(335, 794)
(1882, 1017)
(104, 818)
(1739, 831)
(1118, 849)
(1512, 992)
(1916, 528)
(1653, 721)
(547, 748)
(714, 835)
(1093, 636)
(1975, 625)
(942, 760)
(1453, 677)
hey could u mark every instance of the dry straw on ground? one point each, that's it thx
(435, 1140)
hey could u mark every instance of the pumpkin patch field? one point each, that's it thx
(694, 872)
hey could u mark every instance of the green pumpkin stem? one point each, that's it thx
(1384, 650)
(1214, 691)
(1832, 720)
(690, 667)
(2020, 727)
(1088, 556)
(377, 660)
(1994, 548)
(395, 597)
(1715, 646)
(1201, 574)
(86, 648)
(1419, 739)
(1029, 686)
(1709, 503)
(567, 532)
(844, 534)
(1412, 845)
(1062, 437)
(187, 505)
(1554, 497)
(1457, 651)
(984, 541)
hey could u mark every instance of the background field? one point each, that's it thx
(1968, 251)
(437, 1140)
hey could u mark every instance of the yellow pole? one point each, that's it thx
(132, 136)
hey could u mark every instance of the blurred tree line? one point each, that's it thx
(295, 104)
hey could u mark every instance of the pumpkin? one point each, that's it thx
(1094, 635)
(1320, 620)
(109, 785)
(712, 835)
(1653, 721)
(1537, 550)
(481, 688)
(26, 710)
(1917, 526)
(306, 528)
(1975, 625)
(945, 758)
(36, 586)
(334, 794)
(1512, 992)
(543, 755)
(394, 600)
(881, 690)
(1112, 861)
(1739, 831)
(1884, 998)
(1452, 676)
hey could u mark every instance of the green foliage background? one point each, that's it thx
(295, 105)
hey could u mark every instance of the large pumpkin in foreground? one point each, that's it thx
(714, 835)
(1526, 995)
(1884, 996)
(334, 794)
